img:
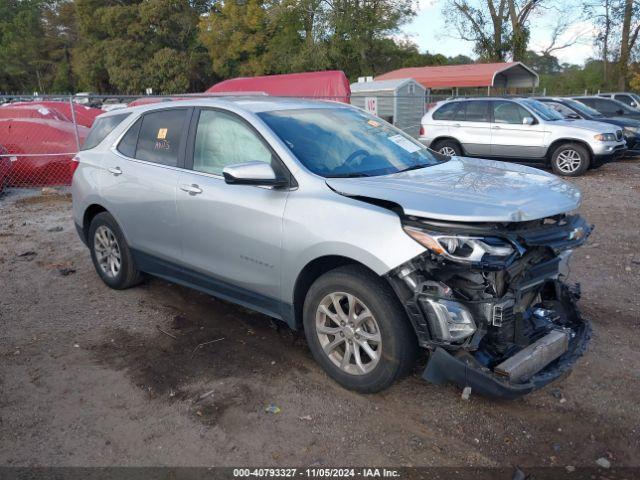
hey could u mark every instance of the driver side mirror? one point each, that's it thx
(573, 116)
(528, 121)
(253, 173)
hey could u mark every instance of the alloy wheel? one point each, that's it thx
(349, 333)
(107, 251)
(449, 151)
(568, 161)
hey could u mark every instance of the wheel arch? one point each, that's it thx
(89, 214)
(446, 138)
(556, 143)
(311, 272)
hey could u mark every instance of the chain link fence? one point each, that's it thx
(40, 135)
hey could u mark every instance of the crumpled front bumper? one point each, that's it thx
(444, 367)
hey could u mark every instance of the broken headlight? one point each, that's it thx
(461, 248)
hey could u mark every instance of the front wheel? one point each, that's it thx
(357, 330)
(570, 160)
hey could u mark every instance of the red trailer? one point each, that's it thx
(327, 85)
(40, 151)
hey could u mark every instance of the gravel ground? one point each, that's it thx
(92, 376)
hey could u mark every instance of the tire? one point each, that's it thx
(447, 147)
(396, 345)
(104, 232)
(570, 160)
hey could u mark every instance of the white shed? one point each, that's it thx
(400, 102)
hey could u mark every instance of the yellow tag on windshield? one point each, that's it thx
(162, 133)
(373, 123)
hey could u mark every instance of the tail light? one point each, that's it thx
(421, 131)
(75, 161)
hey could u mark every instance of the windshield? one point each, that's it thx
(346, 142)
(542, 110)
(582, 108)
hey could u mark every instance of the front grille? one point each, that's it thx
(619, 134)
(502, 313)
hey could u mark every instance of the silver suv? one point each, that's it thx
(330, 219)
(520, 129)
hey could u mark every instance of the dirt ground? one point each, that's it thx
(96, 377)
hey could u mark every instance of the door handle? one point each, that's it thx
(456, 125)
(115, 171)
(496, 127)
(192, 189)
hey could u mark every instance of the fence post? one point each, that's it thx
(75, 123)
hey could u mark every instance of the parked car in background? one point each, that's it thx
(31, 111)
(520, 129)
(84, 115)
(110, 104)
(332, 220)
(609, 107)
(43, 150)
(630, 99)
(574, 110)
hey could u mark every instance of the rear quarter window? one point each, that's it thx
(101, 128)
(446, 111)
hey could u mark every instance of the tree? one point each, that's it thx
(497, 28)
(483, 23)
(130, 45)
(629, 36)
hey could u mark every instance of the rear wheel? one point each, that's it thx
(450, 148)
(570, 160)
(110, 253)
(357, 331)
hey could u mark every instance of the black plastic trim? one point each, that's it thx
(218, 288)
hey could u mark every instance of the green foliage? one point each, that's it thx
(128, 46)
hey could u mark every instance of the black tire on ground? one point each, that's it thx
(128, 275)
(399, 344)
(574, 150)
(449, 146)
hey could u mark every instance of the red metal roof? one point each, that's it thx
(473, 75)
(330, 85)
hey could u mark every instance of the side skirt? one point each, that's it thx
(215, 287)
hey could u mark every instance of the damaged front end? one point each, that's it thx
(491, 304)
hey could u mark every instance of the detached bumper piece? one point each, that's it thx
(527, 370)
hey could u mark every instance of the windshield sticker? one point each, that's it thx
(373, 123)
(162, 133)
(404, 143)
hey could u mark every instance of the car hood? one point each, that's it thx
(625, 122)
(591, 125)
(468, 190)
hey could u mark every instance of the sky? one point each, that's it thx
(429, 32)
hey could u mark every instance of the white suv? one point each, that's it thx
(520, 129)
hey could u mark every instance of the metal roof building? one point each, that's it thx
(489, 75)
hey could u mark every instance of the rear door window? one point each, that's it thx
(477, 111)
(101, 128)
(608, 107)
(161, 135)
(446, 111)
